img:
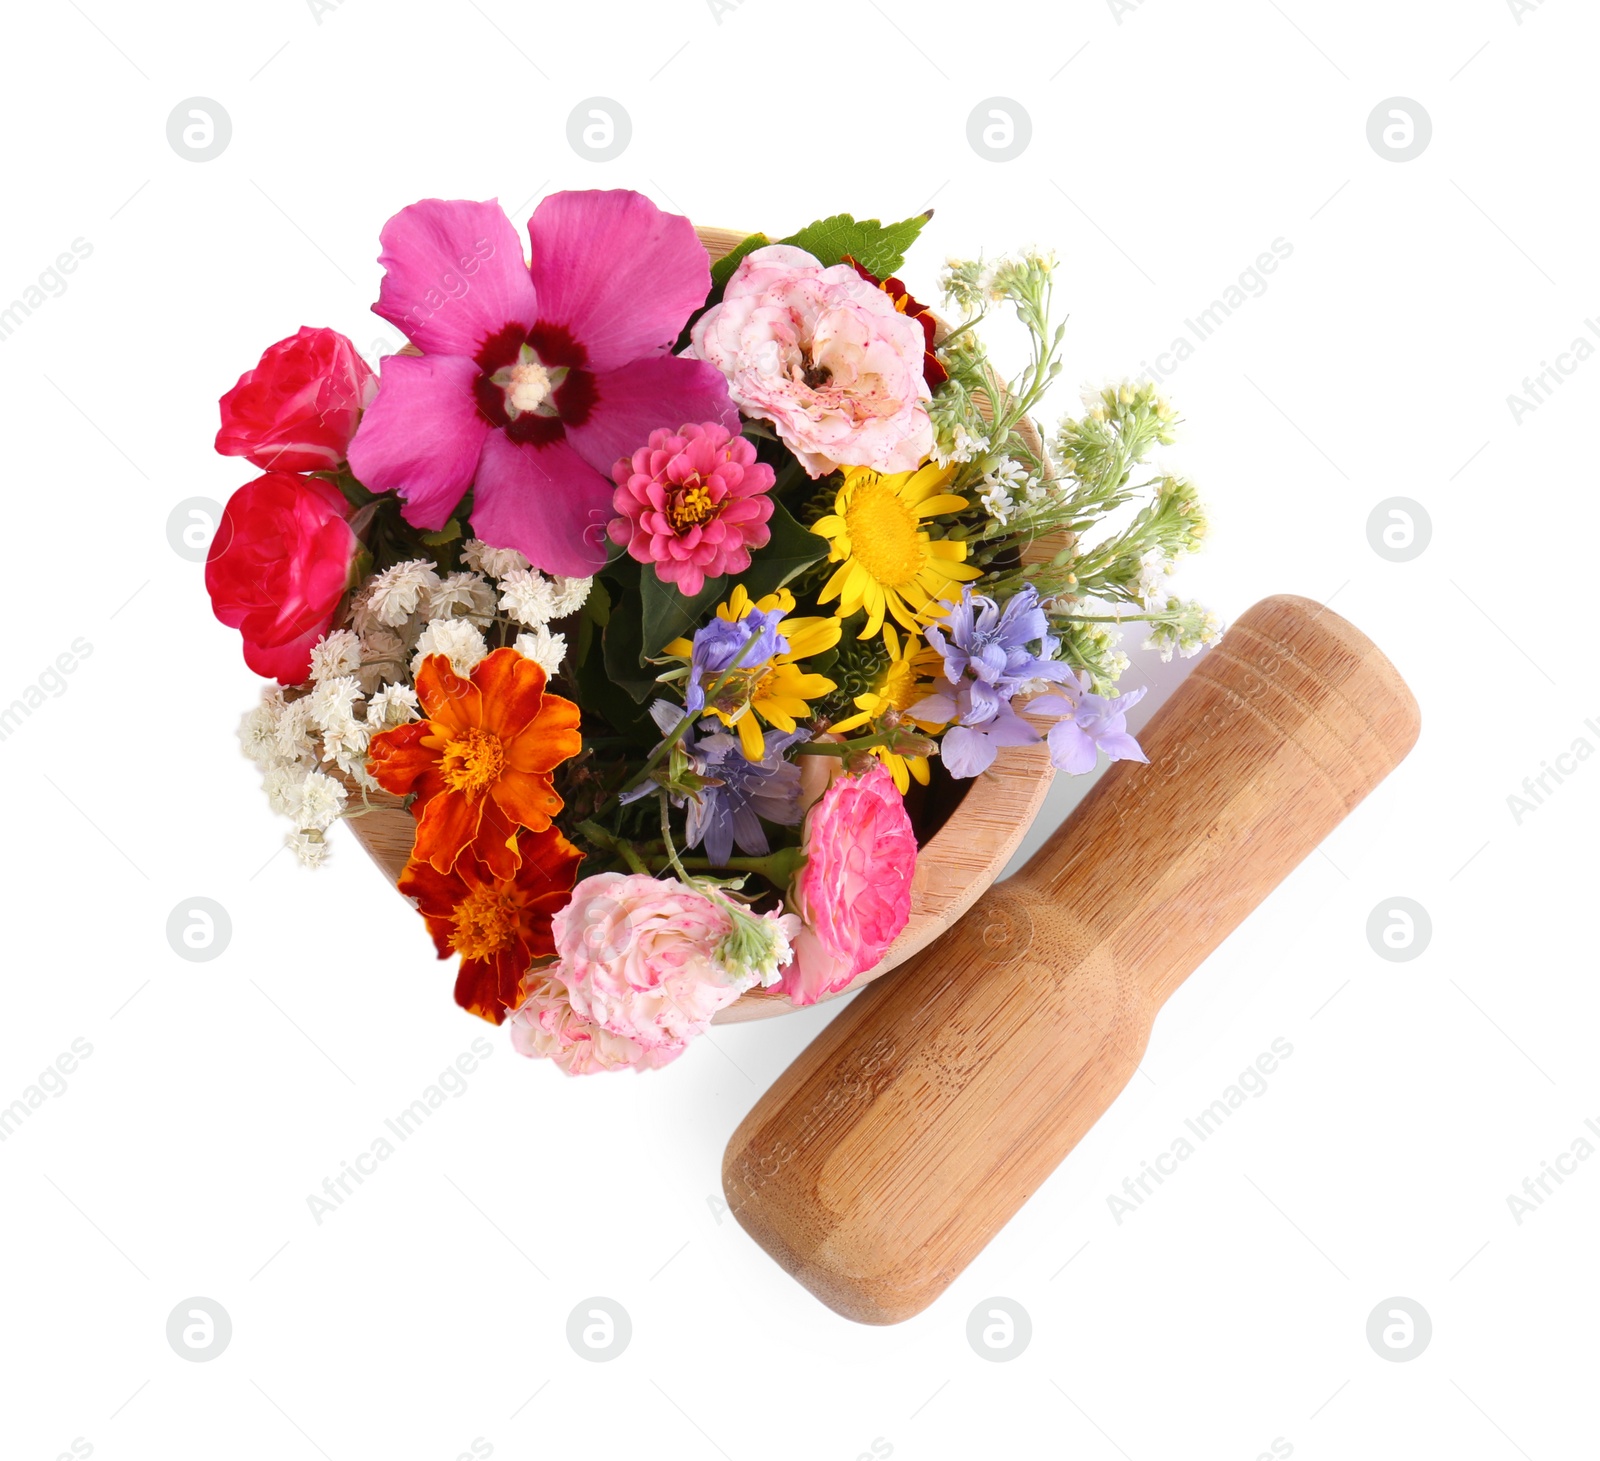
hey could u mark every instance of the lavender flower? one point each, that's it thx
(984, 721)
(993, 642)
(731, 795)
(731, 812)
(723, 643)
(1087, 725)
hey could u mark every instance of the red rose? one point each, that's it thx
(297, 410)
(277, 568)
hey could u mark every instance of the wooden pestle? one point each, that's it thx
(911, 1129)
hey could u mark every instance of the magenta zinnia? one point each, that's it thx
(694, 503)
(535, 378)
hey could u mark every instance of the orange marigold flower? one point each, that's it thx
(480, 761)
(498, 926)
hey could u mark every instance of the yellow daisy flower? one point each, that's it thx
(887, 563)
(909, 675)
(776, 690)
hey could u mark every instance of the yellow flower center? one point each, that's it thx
(472, 762)
(742, 687)
(485, 923)
(690, 504)
(897, 685)
(884, 538)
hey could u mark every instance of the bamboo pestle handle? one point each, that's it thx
(912, 1128)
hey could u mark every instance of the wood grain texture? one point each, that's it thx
(962, 859)
(912, 1129)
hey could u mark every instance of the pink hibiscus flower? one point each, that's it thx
(533, 380)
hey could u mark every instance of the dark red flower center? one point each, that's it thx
(534, 383)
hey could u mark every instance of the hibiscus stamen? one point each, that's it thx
(529, 384)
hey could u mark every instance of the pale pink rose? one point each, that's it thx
(854, 892)
(824, 356)
(636, 955)
(546, 1027)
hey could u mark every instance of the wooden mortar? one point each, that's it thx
(908, 1133)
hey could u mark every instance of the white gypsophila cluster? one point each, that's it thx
(528, 597)
(461, 596)
(545, 649)
(335, 654)
(282, 737)
(496, 562)
(391, 706)
(294, 734)
(332, 705)
(311, 848)
(318, 802)
(534, 599)
(393, 596)
(459, 640)
(258, 730)
(1010, 488)
(571, 594)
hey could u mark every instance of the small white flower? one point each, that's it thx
(963, 447)
(529, 597)
(496, 562)
(545, 649)
(391, 706)
(308, 846)
(258, 731)
(294, 737)
(334, 655)
(397, 591)
(571, 594)
(997, 505)
(282, 785)
(459, 639)
(332, 704)
(347, 747)
(462, 596)
(1151, 586)
(319, 802)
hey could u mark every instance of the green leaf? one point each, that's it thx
(622, 643)
(721, 273)
(722, 270)
(447, 534)
(880, 248)
(792, 550)
(669, 614)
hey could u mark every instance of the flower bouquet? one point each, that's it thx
(667, 599)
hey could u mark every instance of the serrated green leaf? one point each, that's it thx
(791, 550)
(880, 248)
(669, 614)
(722, 270)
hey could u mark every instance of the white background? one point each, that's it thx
(1170, 146)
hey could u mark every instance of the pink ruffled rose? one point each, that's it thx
(693, 503)
(823, 355)
(546, 1027)
(854, 892)
(297, 410)
(637, 956)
